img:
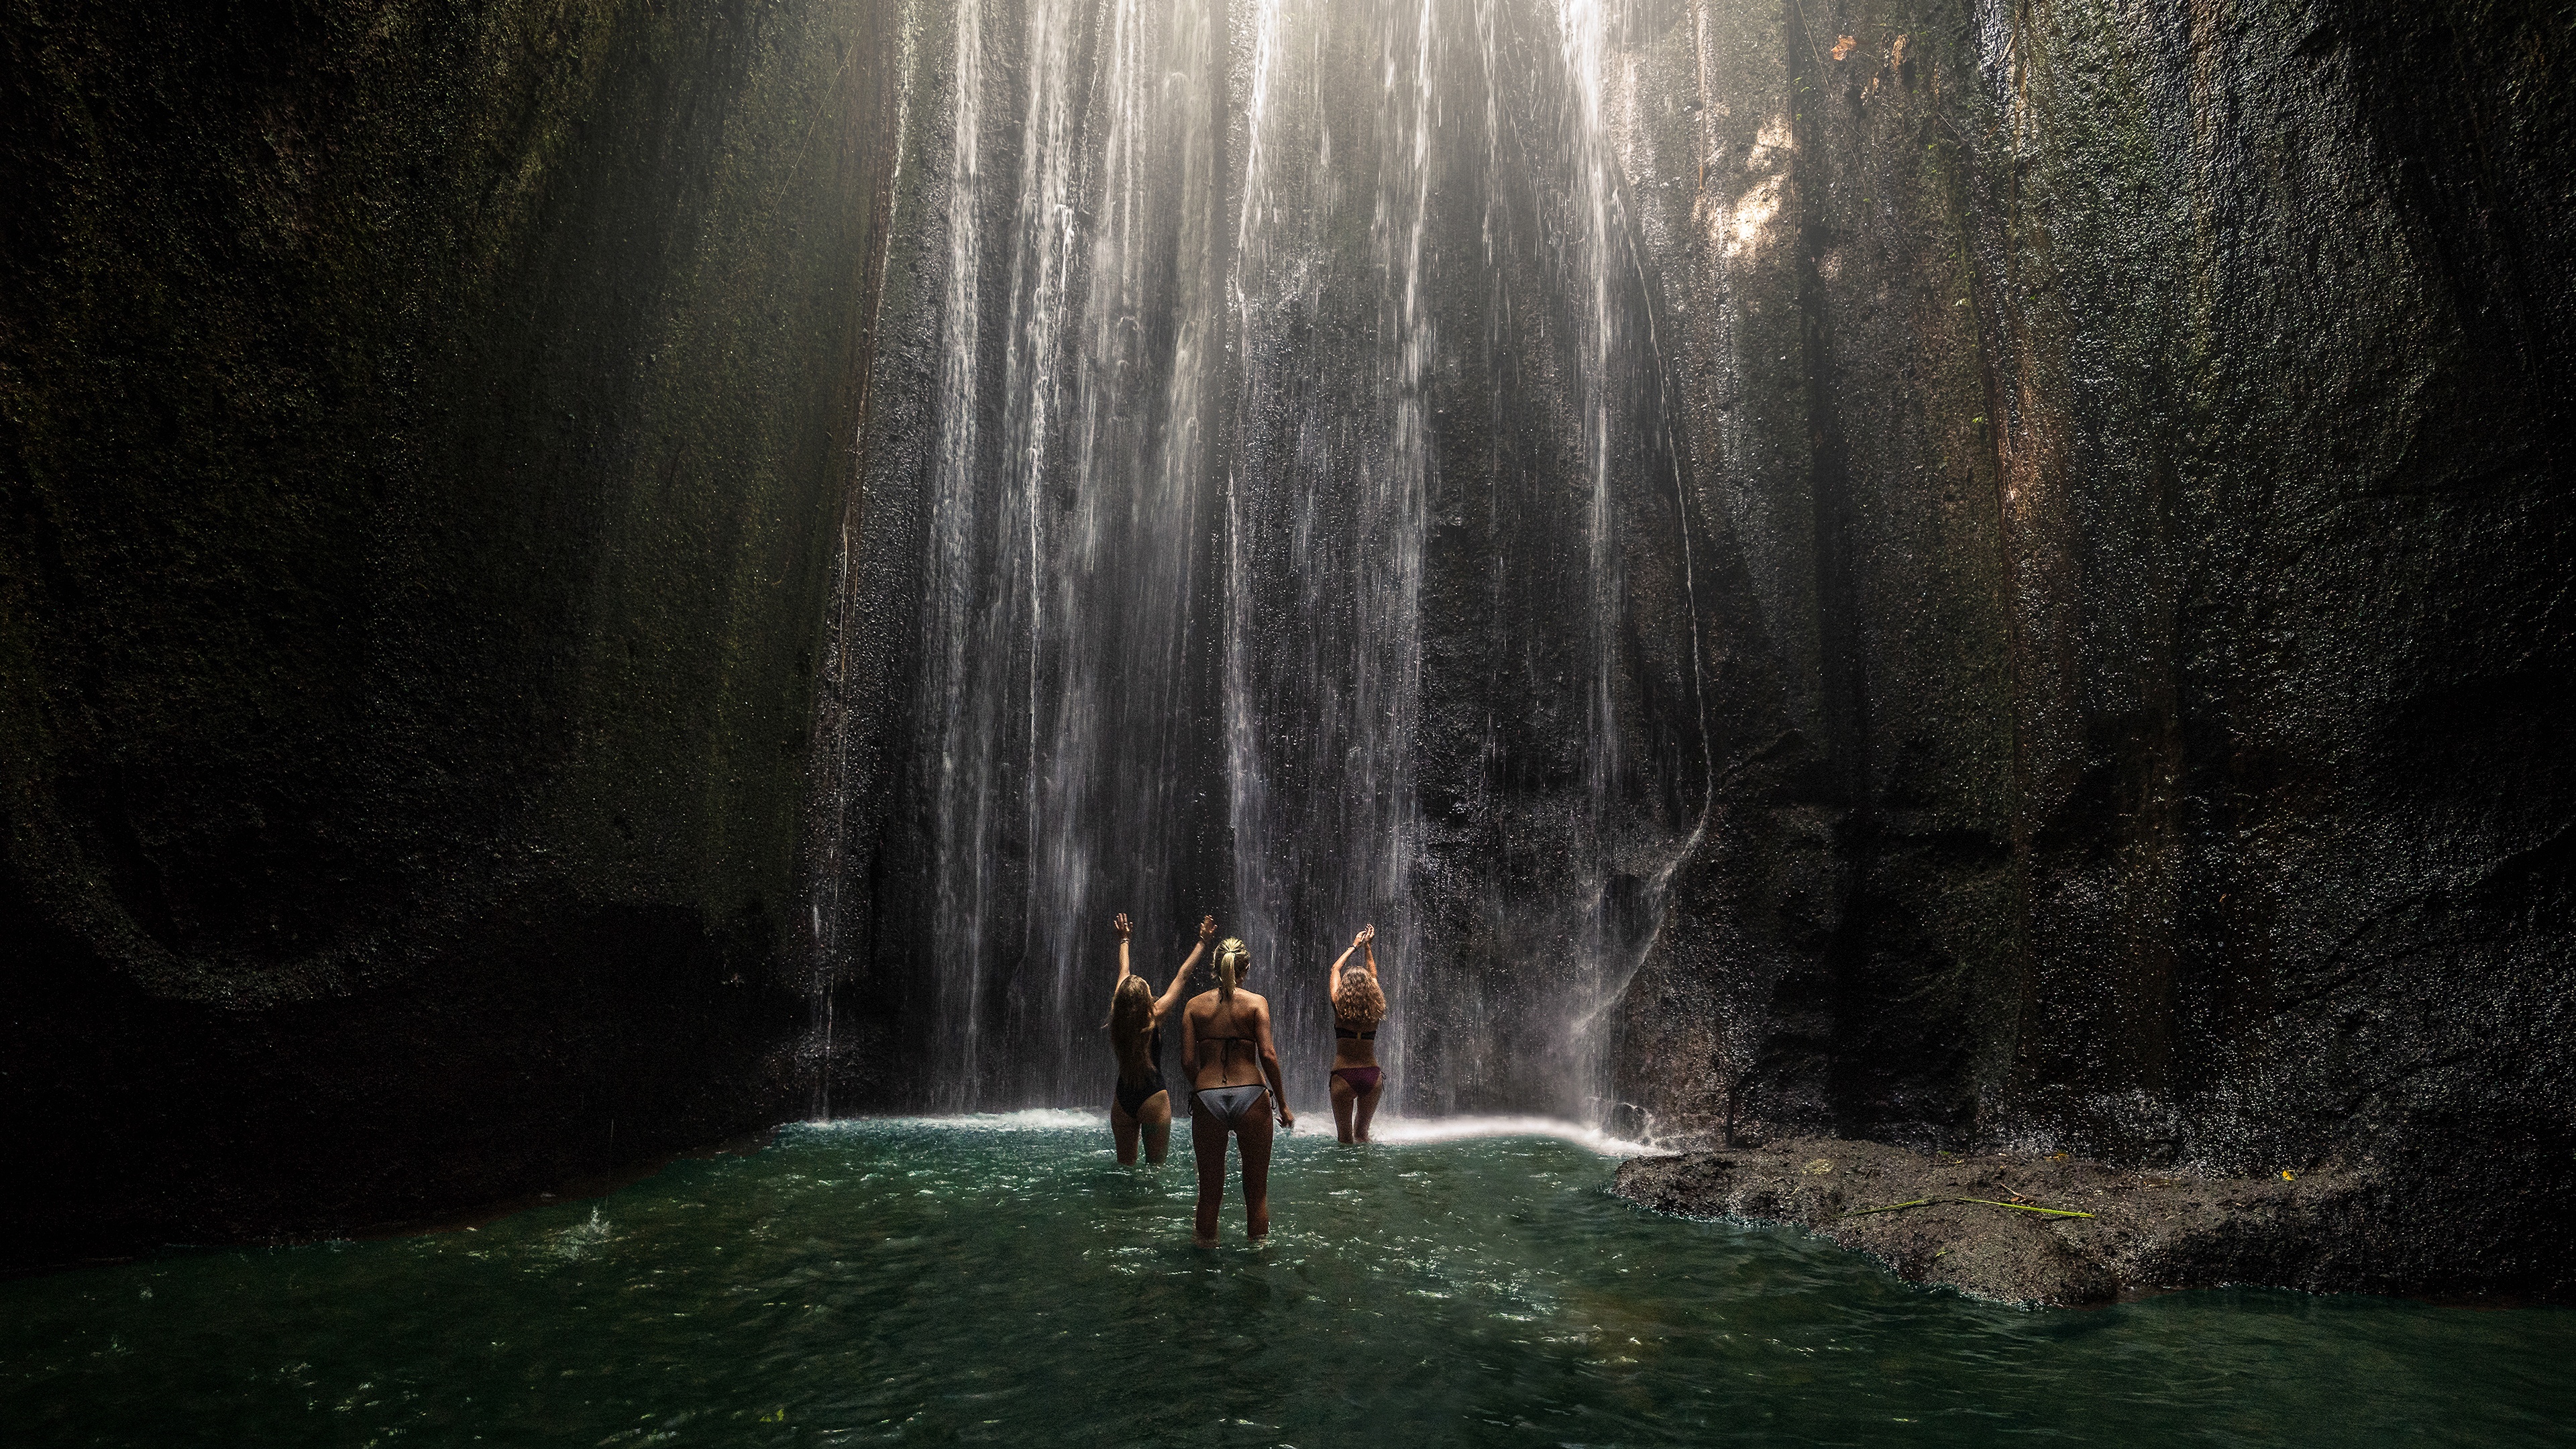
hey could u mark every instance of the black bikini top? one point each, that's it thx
(1344, 1031)
(1208, 1036)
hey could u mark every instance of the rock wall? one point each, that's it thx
(426, 433)
(2139, 435)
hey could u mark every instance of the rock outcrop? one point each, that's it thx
(2008, 1227)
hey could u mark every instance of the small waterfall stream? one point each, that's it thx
(1298, 420)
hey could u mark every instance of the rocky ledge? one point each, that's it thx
(1976, 1223)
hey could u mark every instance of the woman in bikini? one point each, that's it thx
(1234, 1087)
(1358, 1006)
(1140, 1105)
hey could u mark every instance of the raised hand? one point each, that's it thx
(1366, 935)
(1207, 928)
(1121, 927)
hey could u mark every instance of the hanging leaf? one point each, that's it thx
(1844, 47)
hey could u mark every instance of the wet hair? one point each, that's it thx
(1357, 1001)
(1131, 1018)
(1233, 958)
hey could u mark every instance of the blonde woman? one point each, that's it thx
(1141, 1107)
(1359, 1004)
(1234, 1087)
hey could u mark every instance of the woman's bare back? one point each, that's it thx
(1217, 1026)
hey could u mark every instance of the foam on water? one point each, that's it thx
(1027, 1119)
(1459, 1129)
(1394, 1130)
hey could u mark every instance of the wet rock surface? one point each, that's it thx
(422, 445)
(2118, 750)
(2320, 1231)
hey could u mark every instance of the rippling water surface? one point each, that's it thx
(1003, 1280)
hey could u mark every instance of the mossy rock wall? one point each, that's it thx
(424, 435)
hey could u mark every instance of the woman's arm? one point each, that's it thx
(1189, 1049)
(1333, 973)
(1181, 978)
(1368, 941)
(1270, 1065)
(1119, 924)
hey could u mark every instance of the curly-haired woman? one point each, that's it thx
(1359, 1004)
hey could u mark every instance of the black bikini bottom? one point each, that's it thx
(1131, 1099)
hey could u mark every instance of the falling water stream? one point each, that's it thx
(1077, 338)
(1297, 411)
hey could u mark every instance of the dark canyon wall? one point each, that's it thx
(2142, 430)
(426, 431)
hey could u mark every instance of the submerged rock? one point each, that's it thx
(2143, 1230)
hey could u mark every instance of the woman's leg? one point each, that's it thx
(1123, 1128)
(1154, 1114)
(1207, 1144)
(1343, 1098)
(1366, 1108)
(1254, 1129)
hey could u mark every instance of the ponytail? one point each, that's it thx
(1232, 959)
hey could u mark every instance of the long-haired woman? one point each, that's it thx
(1234, 1087)
(1359, 1004)
(1140, 1106)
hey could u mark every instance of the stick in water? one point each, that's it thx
(1898, 1207)
(2025, 1207)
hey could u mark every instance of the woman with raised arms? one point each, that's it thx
(1359, 1004)
(1140, 1106)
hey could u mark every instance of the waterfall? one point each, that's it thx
(1325, 506)
(1066, 524)
(1297, 418)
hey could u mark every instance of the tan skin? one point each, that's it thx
(1352, 1108)
(1153, 1119)
(1224, 1064)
